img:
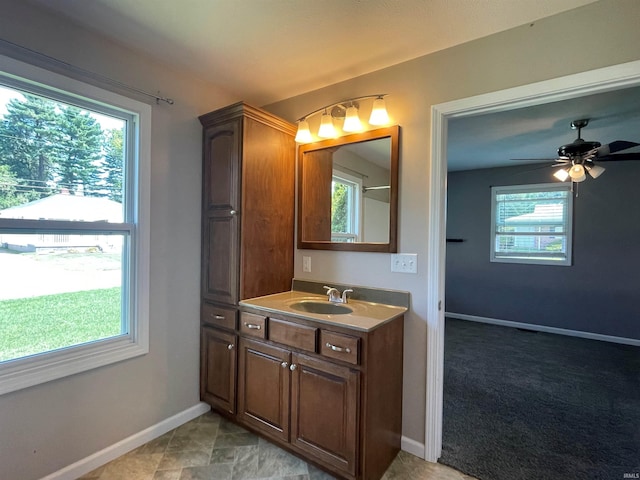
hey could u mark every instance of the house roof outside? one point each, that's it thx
(542, 213)
(63, 206)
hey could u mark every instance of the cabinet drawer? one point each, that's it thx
(293, 334)
(218, 316)
(340, 346)
(252, 324)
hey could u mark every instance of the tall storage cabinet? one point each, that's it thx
(248, 180)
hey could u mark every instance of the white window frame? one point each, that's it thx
(36, 369)
(355, 219)
(568, 224)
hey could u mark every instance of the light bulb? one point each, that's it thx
(576, 172)
(303, 135)
(595, 170)
(379, 115)
(352, 121)
(561, 174)
(327, 130)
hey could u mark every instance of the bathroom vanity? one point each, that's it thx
(321, 379)
(326, 386)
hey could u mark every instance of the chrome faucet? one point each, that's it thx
(334, 294)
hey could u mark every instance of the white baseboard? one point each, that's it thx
(112, 452)
(411, 446)
(543, 328)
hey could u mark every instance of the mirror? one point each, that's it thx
(348, 192)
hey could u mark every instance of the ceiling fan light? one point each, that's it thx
(561, 174)
(576, 172)
(379, 115)
(327, 130)
(352, 121)
(303, 135)
(595, 170)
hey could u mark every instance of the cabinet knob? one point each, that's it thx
(232, 212)
(284, 364)
(230, 346)
(293, 367)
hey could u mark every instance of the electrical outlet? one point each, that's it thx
(306, 263)
(404, 262)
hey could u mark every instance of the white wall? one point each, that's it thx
(47, 427)
(597, 35)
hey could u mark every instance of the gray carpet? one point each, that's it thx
(527, 405)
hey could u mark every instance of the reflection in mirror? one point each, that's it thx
(348, 192)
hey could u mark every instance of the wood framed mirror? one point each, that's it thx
(348, 192)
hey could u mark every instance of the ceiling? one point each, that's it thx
(495, 140)
(269, 50)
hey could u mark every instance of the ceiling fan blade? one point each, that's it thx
(613, 147)
(539, 159)
(617, 157)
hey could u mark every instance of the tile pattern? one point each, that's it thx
(212, 448)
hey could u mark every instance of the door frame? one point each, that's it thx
(562, 88)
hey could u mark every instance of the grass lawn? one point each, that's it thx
(39, 324)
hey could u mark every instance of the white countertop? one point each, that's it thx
(365, 316)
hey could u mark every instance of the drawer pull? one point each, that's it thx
(230, 346)
(336, 348)
(252, 326)
(284, 364)
(218, 317)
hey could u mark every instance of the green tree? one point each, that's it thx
(113, 163)
(29, 134)
(11, 191)
(49, 146)
(79, 151)
(339, 207)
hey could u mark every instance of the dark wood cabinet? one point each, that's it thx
(324, 411)
(330, 394)
(248, 180)
(248, 177)
(263, 388)
(218, 368)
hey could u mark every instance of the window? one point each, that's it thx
(532, 224)
(346, 204)
(74, 195)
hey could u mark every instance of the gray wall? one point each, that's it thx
(527, 54)
(598, 293)
(66, 420)
(49, 426)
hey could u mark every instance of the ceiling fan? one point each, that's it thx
(578, 158)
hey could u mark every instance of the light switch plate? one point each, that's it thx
(306, 263)
(404, 262)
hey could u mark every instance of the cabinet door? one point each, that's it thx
(222, 166)
(221, 208)
(263, 388)
(324, 411)
(218, 369)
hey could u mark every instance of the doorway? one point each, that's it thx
(563, 88)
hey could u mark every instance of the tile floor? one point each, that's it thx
(210, 447)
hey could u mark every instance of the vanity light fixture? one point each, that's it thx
(352, 121)
(347, 110)
(327, 129)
